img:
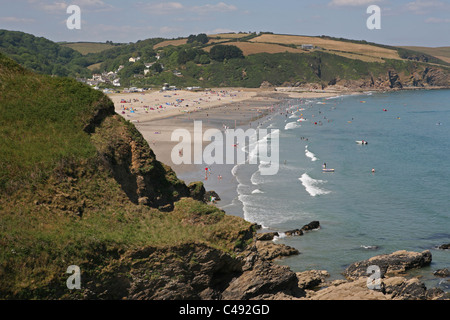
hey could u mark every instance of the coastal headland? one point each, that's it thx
(81, 187)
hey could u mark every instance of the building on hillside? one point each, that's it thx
(307, 46)
(133, 60)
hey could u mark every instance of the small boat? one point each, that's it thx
(361, 142)
(327, 170)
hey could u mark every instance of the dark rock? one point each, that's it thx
(266, 236)
(197, 190)
(311, 226)
(270, 251)
(264, 278)
(394, 79)
(445, 246)
(296, 232)
(442, 273)
(208, 196)
(311, 279)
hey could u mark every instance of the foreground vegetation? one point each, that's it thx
(61, 202)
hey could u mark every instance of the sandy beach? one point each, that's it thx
(157, 114)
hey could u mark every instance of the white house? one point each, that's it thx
(132, 59)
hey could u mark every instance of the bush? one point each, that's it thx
(221, 52)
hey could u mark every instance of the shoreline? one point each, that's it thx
(216, 109)
(243, 112)
(231, 107)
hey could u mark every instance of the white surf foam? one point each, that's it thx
(310, 155)
(291, 125)
(312, 185)
(257, 191)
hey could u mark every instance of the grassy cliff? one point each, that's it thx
(80, 186)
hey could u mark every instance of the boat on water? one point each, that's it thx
(361, 142)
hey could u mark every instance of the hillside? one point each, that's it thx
(88, 47)
(267, 59)
(80, 186)
(42, 55)
(284, 60)
(442, 53)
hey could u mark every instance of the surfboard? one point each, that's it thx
(327, 170)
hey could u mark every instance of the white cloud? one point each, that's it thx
(169, 30)
(55, 7)
(16, 20)
(208, 8)
(221, 30)
(354, 3)
(437, 20)
(424, 6)
(164, 8)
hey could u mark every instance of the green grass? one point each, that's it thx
(41, 123)
(88, 47)
(59, 202)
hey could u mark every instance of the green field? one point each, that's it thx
(88, 47)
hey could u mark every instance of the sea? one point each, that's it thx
(390, 194)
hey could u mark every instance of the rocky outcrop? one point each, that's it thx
(444, 273)
(394, 263)
(394, 288)
(267, 236)
(420, 76)
(133, 164)
(390, 285)
(271, 251)
(197, 190)
(190, 271)
(394, 80)
(313, 225)
(211, 195)
(262, 279)
(311, 279)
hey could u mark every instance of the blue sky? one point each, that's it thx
(403, 22)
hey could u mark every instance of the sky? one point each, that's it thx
(402, 22)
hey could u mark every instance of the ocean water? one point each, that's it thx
(403, 205)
